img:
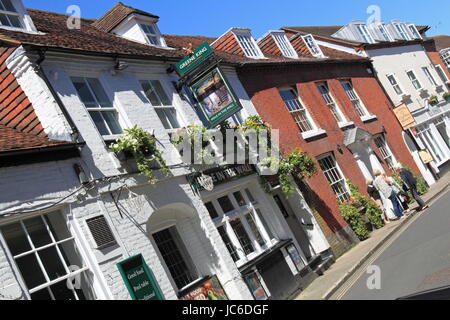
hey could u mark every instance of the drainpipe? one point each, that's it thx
(74, 131)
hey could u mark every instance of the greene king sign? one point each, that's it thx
(191, 61)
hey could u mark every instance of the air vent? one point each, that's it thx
(101, 232)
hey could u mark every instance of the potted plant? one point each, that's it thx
(446, 96)
(433, 100)
(140, 145)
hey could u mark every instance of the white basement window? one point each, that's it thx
(161, 102)
(312, 45)
(46, 255)
(8, 15)
(98, 105)
(249, 45)
(284, 45)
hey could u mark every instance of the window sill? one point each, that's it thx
(368, 118)
(343, 125)
(312, 134)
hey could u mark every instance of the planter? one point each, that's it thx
(433, 102)
(447, 98)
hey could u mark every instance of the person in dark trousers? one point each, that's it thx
(410, 184)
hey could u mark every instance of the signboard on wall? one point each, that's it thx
(190, 62)
(210, 289)
(138, 279)
(426, 156)
(404, 116)
(255, 286)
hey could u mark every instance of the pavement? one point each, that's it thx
(335, 277)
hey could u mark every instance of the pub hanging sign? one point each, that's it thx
(138, 279)
(215, 98)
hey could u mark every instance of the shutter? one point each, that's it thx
(101, 232)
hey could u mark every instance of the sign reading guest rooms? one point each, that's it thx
(138, 279)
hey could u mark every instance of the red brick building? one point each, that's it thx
(435, 50)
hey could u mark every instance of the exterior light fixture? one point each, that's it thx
(81, 174)
(339, 148)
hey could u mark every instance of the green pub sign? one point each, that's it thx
(138, 279)
(193, 60)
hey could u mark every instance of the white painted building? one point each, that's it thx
(89, 95)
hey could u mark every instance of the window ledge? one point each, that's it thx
(312, 134)
(343, 125)
(368, 118)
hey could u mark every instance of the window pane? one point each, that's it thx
(225, 204)
(113, 123)
(99, 92)
(161, 93)
(162, 116)
(57, 226)
(239, 199)
(8, 6)
(168, 118)
(252, 223)
(150, 93)
(4, 20)
(30, 270)
(265, 224)
(70, 254)
(242, 236)
(15, 238)
(250, 196)
(61, 292)
(99, 123)
(41, 295)
(226, 239)
(85, 94)
(52, 263)
(15, 22)
(37, 231)
(212, 211)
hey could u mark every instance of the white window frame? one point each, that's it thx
(385, 151)
(284, 45)
(429, 76)
(355, 99)
(415, 33)
(152, 23)
(332, 104)
(171, 107)
(34, 251)
(384, 32)
(332, 178)
(441, 72)
(295, 107)
(15, 13)
(396, 85)
(252, 207)
(415, 82)
(312, 46)
(363, 32)
(113, 108)
(427, 136)
(445, 55)
(402, 31)
(248, 45)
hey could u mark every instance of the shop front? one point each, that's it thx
(256, 232)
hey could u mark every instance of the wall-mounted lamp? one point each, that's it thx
(79, 171)
(339, 148)
(120, 65)
(383, 129)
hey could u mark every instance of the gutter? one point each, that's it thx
(20, 152)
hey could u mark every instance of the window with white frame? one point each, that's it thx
(284, 45)
(297, 110)
(412, 28)
(8, 15)
(175, 256)
(388, 157)
(97, 103)
(356, 102)
(161, 102)
(445, 55)
(395, 84)
(401, 30)
(241, 224)
(151, 33)
(441, 127)
(441, 73)
(429, 140)
(312, 45)
(364, 33)
(429, 76)
(415, 82)
(248, 45)
(335, 177)
(46, 256)
(329, 100)
(384, 32)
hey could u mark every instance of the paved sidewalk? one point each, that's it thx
(324, 287)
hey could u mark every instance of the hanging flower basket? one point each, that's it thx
(446, 96)
(433, 100)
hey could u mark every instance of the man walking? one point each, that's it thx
(410, 184)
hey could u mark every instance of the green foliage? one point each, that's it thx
(421, 186)
(446, 96)
(354, 218)
(141, 145)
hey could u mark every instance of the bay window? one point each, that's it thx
(47, 257)
(97, 103)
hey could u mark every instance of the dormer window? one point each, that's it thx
(401, 30)
(248, 45)
(364, 33)
(412, 28)
(284, 45)
(312, 46)
(151, 34)
(384, 33)
(8, 15)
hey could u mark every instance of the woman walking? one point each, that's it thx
(374, 194)
(381, 183)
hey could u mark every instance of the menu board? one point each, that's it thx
(138, 279)
(210, 289)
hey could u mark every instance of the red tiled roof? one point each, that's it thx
(116, 15)
(442, 42)
(13, 140)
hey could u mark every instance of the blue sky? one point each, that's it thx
(214, 17)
